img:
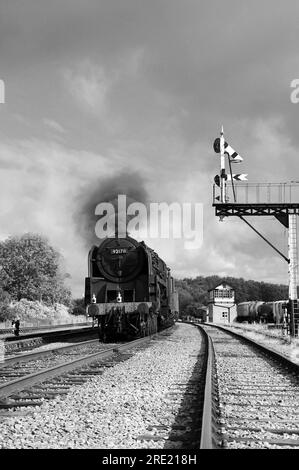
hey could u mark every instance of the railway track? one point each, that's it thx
(237, 396)
(32, 329)
(27, 380)
(35, 340)
(251, 395)
(174, 411)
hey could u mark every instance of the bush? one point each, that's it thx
(5, 312)
(35, 311)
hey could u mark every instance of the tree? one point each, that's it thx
(30, 268)
(194, 310)
(4, 297)
(195, 291)
(185, 298)
(78, 307)
(4, 305)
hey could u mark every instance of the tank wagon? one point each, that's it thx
(129, 289)
(257, 311)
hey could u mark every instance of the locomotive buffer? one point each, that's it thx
(282, 208)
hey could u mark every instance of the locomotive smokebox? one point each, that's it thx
(120, 259)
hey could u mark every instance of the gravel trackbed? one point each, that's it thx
(114, 409)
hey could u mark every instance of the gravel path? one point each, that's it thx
(115, 409)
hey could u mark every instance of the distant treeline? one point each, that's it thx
(193, 293)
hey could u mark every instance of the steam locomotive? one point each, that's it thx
(266, 312)
(129, 289)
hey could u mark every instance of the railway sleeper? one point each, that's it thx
(20, 404)
(25, 397)
(278, 442)
(183, 438)
(41, 389)
(274, 431)
(266, 405)
(91, 373)
(265, 420)
(257, 394)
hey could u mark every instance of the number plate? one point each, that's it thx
(118, 251)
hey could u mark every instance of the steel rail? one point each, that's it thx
(209, 431)
(31, 379)
(206, 424)
(209, 438)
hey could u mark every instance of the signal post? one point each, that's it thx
(285, 212)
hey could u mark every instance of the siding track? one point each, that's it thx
(255, 395)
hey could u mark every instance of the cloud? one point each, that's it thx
(41, 187)
(54, 125)
(38, 194)
(89, 86)
(143, 87)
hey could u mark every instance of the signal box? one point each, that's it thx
(222, 307)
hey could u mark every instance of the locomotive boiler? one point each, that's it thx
(129, 289)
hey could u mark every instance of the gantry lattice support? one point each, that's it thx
(286, 214)
(279, 210)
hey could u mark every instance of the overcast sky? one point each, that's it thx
(95, 88)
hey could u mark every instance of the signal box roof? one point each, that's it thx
(220, 286)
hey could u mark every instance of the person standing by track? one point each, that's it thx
(16, 324)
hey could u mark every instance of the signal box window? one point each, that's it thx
(228, 293)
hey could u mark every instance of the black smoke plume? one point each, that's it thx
(105, 190)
